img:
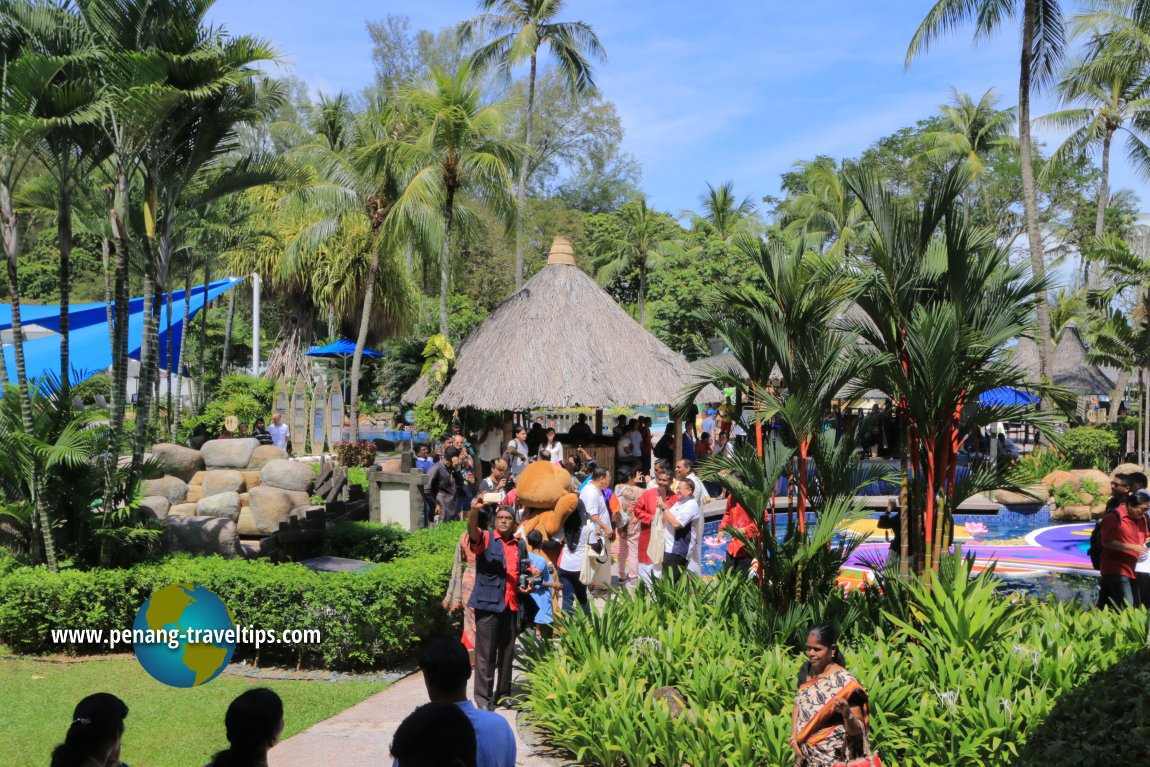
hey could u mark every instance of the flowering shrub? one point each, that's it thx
(354, 453)
(1032, 468)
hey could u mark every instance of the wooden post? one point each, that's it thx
(598, 422)
(678, 427)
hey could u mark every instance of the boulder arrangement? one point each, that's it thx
(229, 488)
(1089, 488)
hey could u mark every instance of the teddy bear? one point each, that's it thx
(544, 490)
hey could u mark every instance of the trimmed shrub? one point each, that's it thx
(1088, 447)
(354, 453)
(364, 540)
(367, 620)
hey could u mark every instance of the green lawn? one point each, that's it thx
(166, 726)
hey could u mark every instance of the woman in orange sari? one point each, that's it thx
(831, 717)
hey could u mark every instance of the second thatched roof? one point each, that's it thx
(1070, 367)
(562, 341)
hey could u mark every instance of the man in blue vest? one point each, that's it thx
(495, 599)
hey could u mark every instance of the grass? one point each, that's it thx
(166, 726)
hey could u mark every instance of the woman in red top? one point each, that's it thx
(739, 557)
(648, 508)
(1124, 537)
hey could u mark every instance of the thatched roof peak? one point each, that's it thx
(562, 252)
(562, 341)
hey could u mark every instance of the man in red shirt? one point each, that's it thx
(495, 599)
(739, 557)
(1124, 537)
(648, 508)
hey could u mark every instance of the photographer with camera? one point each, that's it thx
(499, 559)
(493, 488)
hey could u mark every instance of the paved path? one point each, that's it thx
(361, 735)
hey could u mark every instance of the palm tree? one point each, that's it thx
(825, 210)
(521, 28)
(73, 146)
(1115, 96)
(723, 215)
(456, 162)
(971, 131)
(1043, 43)
(350, 201)
(941, 301)
(784, 335)
(643, 240)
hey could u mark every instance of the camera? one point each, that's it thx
(528, 582)
(508, 481)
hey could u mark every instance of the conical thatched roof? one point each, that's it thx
(562, 341)
(1070, 368)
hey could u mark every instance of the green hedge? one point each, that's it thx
(367, 620)
(364, 540)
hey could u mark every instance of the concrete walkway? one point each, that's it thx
(361, 735)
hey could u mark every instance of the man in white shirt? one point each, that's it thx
(679, 524)
(685, 472)
(279, 431)
(592, 502)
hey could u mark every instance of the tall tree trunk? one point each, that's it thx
(643, 297)
(1093, 271)
(445, 260)
(10, 233)
(119, 225)
(201, 393)
(1030, 190)
(330, 321)
(361, 342)
(109, 298)
(183, 346)
(147, 349)
(64, 235)
(1117, 394)
(228, 332)
(521, 191)
(170, 350)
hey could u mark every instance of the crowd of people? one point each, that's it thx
(275, 433)
(1118, 547)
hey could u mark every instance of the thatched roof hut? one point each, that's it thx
(562, 341)
(1070, 368)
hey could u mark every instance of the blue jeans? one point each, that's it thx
(573, 589)
(1117, 592)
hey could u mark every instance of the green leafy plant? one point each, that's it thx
(1030, 469)
(244, 396)
(1088, 447)
(1065, 495)
(364, 540)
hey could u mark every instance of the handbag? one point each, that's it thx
(596, 569)
(868, 758)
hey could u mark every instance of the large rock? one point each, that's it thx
(1099, 478)
(264, 453)
(271, 505)
(1126, 468)
(222, 481)
(182, 510)
(1034, 494)
(172, 488)
(197, 478)
(246, 523)
(251, 478)
(229, 453)
(225, 504)
(288, 475)
(156, 505)
(182, 462)
(203, 536)
(1077, 512)
(195, 493)
(394, 465)
(1057, 479)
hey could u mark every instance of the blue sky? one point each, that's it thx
(713, 91)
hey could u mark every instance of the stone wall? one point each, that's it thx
(229, 488)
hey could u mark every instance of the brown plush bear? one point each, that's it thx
(544, 489)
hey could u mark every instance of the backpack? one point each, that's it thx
(1095, 549)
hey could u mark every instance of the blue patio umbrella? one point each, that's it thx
(343, 349)
(1006, 396)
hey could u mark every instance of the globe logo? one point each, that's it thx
(184, 635)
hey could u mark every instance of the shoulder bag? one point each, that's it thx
(867, 758)
(596, 570)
